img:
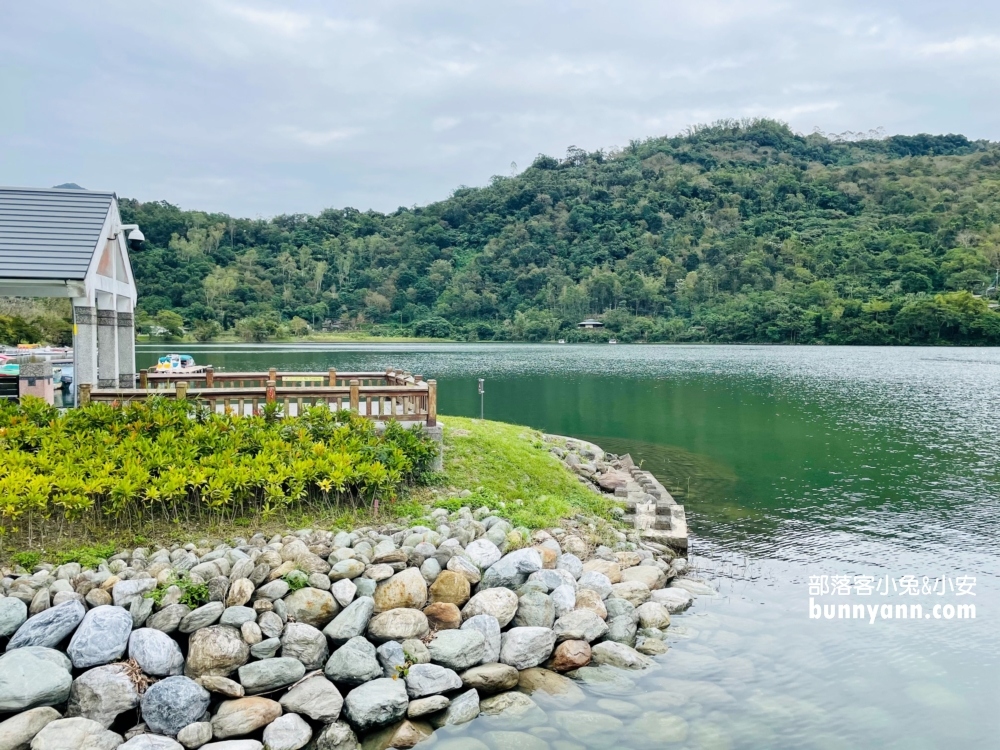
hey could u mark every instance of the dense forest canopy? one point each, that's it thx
(739, 231)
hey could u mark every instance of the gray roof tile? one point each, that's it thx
(49, 234)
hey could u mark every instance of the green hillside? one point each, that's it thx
(734, 232)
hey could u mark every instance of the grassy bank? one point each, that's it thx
(92, 461)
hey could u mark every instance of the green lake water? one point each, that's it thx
(793, 463)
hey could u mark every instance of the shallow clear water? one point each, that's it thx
(791, 462)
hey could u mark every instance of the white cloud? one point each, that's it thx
(961, 46)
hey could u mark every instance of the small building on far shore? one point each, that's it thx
(590, 323)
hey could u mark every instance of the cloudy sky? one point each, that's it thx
(259, 108)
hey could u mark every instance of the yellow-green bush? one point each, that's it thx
(177, 460)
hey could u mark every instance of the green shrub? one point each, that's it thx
(176, 460)
(27, 560)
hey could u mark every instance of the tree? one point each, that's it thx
(171, 323)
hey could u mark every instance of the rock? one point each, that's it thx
(265, 649)
(621, 629)
(580, 625)
(270, 674)
(665, 727)
(465, 567)
(424, 706)
(595, 582)
(97, 597)
(315, 697)
(234, 745)
(631, 591)
(169, 618)
(102, 637)
(379, 573)
(490, 678)
(443, 616)
(336, 736)
(236, 617)
(535, 609)
(353, 663)
(563, 600)
(403, 734)
(271, 591)
(17, 732)
(140, 609)
(570, 655)
(124, 592)
(570, 563)
(483, 553)
(376, 703)
(171, 704)
(501, 603)
(352, 622)
(458, 649)
(406, 590)
(221, 685)
(592, 728)
(619, 655)
(13, 613)
(430, 569)
(391, 658)
(305, 643)
(29, 678)
(653, 615)
(311, 606)
(78, 734)
(49, 628)
(590, 599)
(462, 709)
(490, 628)
(344, 591)
(398, 625)
(514, 704)
(215, 650)
(552, 579)
(548, 683)
(244, 716)
(240, 592)
(610, 569)
(102, 693)
(251, 635)
(512, 569)
(526, 647)
(430, 679)
(450, 587)
(287, 732)
(195, 735)
(674, 599)
(202, 617)
(617, 607)
(271, 626)
(346, 569)
(650, 647)
(649, 575)
(151, 742)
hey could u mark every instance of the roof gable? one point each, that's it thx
(50, 234)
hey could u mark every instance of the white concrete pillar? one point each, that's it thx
(84, 343)
(107, 341)
(126, 344)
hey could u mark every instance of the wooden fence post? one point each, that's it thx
(432, 403)
(333, 377)
(272, 374)
(182, 389)
(144, 379)
(270, 394)
(209, 377)
(84, 394)
(355, 395)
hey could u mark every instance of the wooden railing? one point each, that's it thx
(375, 395)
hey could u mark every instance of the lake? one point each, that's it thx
(793, 463)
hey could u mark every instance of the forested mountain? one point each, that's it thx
(735, 232)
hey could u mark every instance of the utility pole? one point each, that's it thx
(482, 390)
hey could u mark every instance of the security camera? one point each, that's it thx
(136, 240)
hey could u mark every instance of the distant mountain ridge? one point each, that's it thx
(739, 231)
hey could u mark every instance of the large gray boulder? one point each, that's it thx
(287, 732)
(483, 553)
(354, 663)
(398, 625)
(102, 693)
(151, 742)
(522, 648)
(171, 704)
(78, 734)
(430, 679)
(215, 650)
(169, 618)
(202, 617)
(535, 610)
(312, 606)
(156, 653)
(17, 732)
(29, 679)
(13, 613)
(270, 674)
(101, 637)
(376, 703)
(243, 716)
(336, 736)
(501, 603)
(489, 626)
(458, 649)
(352, 622)
(512, 569)
(316, 697)
(305, 643)
(580, 625)
(124, 592)
(462, 709)
(50, 627)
